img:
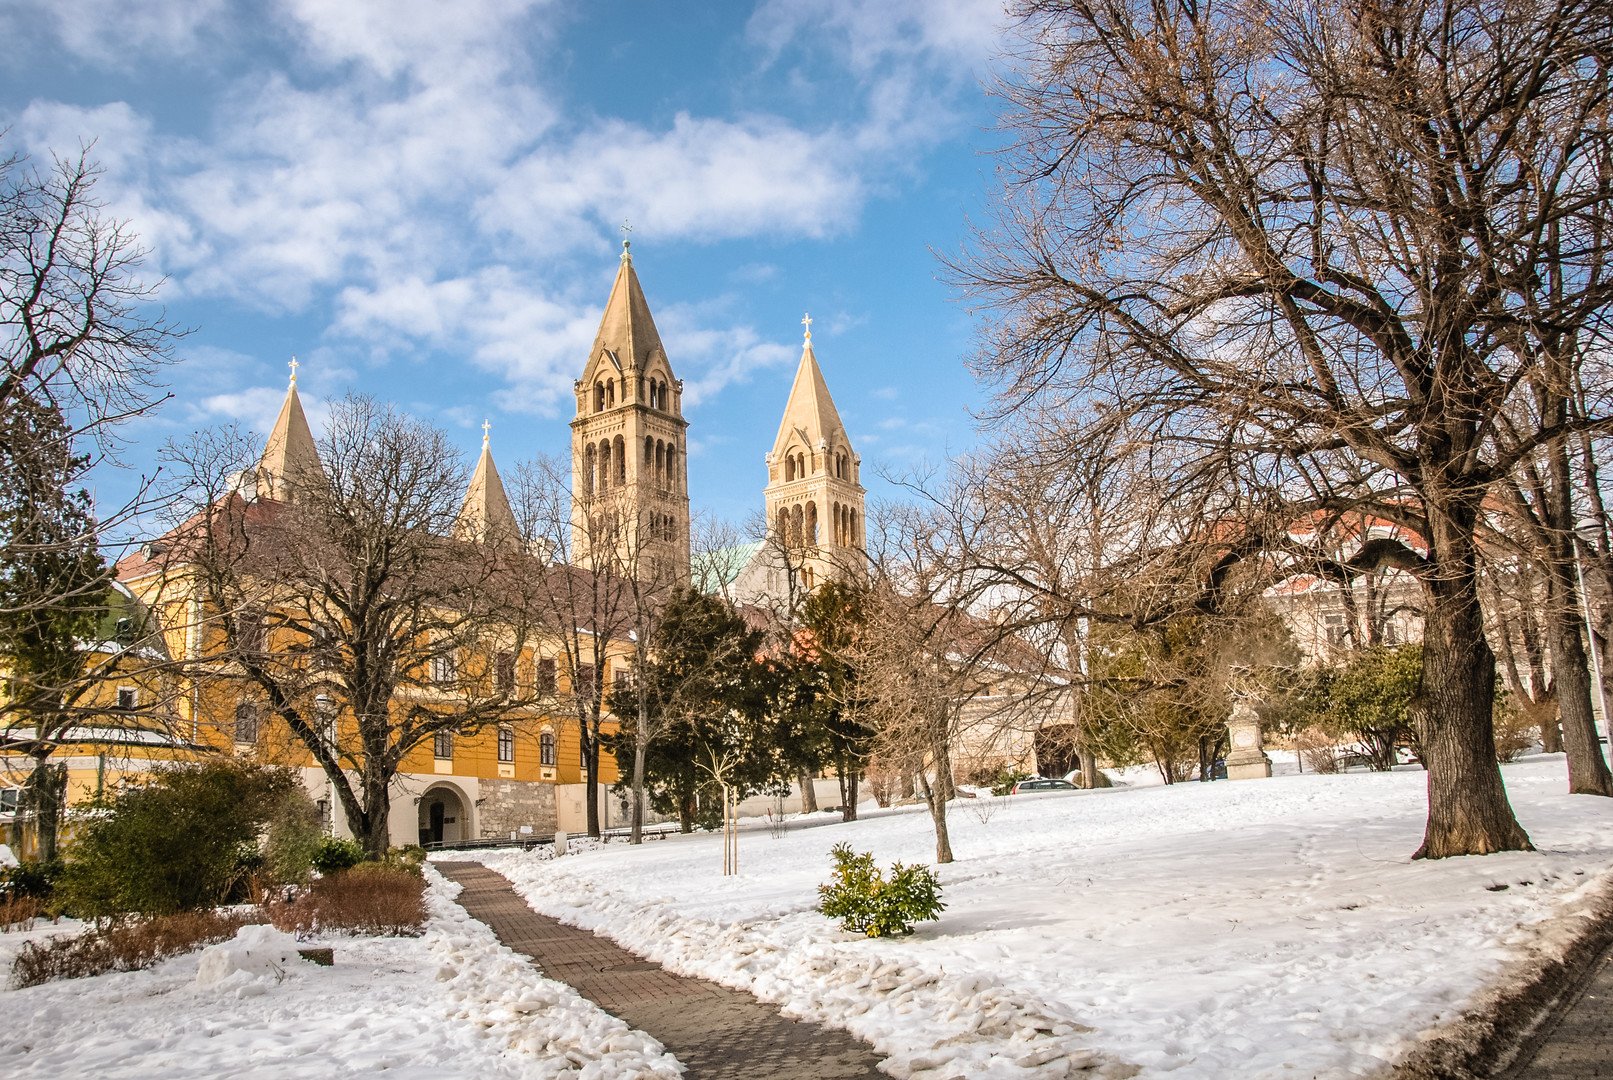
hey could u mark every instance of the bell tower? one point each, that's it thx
(813, 496)
(629, 490)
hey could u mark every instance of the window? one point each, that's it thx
(442, 744)
(545, 676)
(246, 722)
(623, 680)
(506, 744)
(128, 699)
(443, 669)
(582, 683)
(1336, 630)
(546, 754)
(504, 672)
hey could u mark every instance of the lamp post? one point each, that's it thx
(325, 714)
(1584, 533)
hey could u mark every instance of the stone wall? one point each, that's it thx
(506, 805)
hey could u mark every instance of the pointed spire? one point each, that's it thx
(486, 517)
(627, 331)
(810, 411)
(290, 459)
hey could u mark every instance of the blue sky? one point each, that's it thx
(422, 201)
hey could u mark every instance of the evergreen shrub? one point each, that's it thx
(335, 854)
(185, 841)
(866, 903)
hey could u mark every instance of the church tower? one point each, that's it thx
(629, 490)
(485, 517)
(290, 461)
(814, 500)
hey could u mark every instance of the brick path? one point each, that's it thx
(1576, 1042)
(718, 1033)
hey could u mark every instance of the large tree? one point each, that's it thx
(1316, 248)
(349, 609)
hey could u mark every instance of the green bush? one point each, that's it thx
(294, 837)
(865, 903)
(1007, 779)
(33, 880)
(335, 854)
(182, 842)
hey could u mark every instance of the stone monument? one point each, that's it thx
(1247, 759)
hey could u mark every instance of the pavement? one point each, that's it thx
(717, 1033)
(1575, 1042)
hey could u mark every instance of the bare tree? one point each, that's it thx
(348, 610)
(1310, 247)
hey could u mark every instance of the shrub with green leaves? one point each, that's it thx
(866, 903)
(182, 842)
(335, 854)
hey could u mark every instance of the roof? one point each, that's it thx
(627, 331)
(810, 410)
(486, 517)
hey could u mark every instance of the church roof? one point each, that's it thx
(627, 332)
(485, 516)
(289, 455)
(810, 411)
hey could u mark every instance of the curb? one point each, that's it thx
(1510, 1022)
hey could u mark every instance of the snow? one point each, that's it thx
(7, 859)
(1252, 929)
(452, 1003)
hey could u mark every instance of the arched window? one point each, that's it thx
(672, 477)
(782, 526)
(599, 397)
(246, 722)
(590, 470)
(604, 465)
(610, 392)
(649, 452)
(795, 526)
(546, 754)
(660, 464)
(812, 524)
(621, 461)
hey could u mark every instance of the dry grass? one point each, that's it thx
(1317, 751)
(18, 912)
(1514, 733)
(368, 899)
(126, 946)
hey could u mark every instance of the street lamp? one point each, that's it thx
(1586, 532)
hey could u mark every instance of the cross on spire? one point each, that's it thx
(487, 426)
(293, 366)
(806, 321)
(626, 230)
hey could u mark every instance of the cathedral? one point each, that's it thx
(629, 512)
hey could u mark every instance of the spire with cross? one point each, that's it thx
(806, 321)
(293, 366)
(626, 230)
(487, 426)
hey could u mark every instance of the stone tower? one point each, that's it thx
(629, 495)
(290, 461)
(485, 516)
(814, 500)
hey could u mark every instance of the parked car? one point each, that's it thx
(1042, 785)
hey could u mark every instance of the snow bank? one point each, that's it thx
(255, 954)
(6, 857)
(453, 1002)
(1251, 929)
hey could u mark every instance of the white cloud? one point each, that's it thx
(116, 32)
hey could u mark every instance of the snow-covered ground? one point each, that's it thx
(453, 1003)
(1251, 929)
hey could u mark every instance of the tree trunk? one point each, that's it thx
(1468, 811)
(848, 804)
(938, 816)
(809, 794)
(686, 813)
(372, 831)
(1587, 769)
(47, 791)
(641, 747)
(590, 764)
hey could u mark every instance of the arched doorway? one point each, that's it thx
(442, 817)
(1056, 751)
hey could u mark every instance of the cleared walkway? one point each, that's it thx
(1576, 1042)
(718, 1033)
